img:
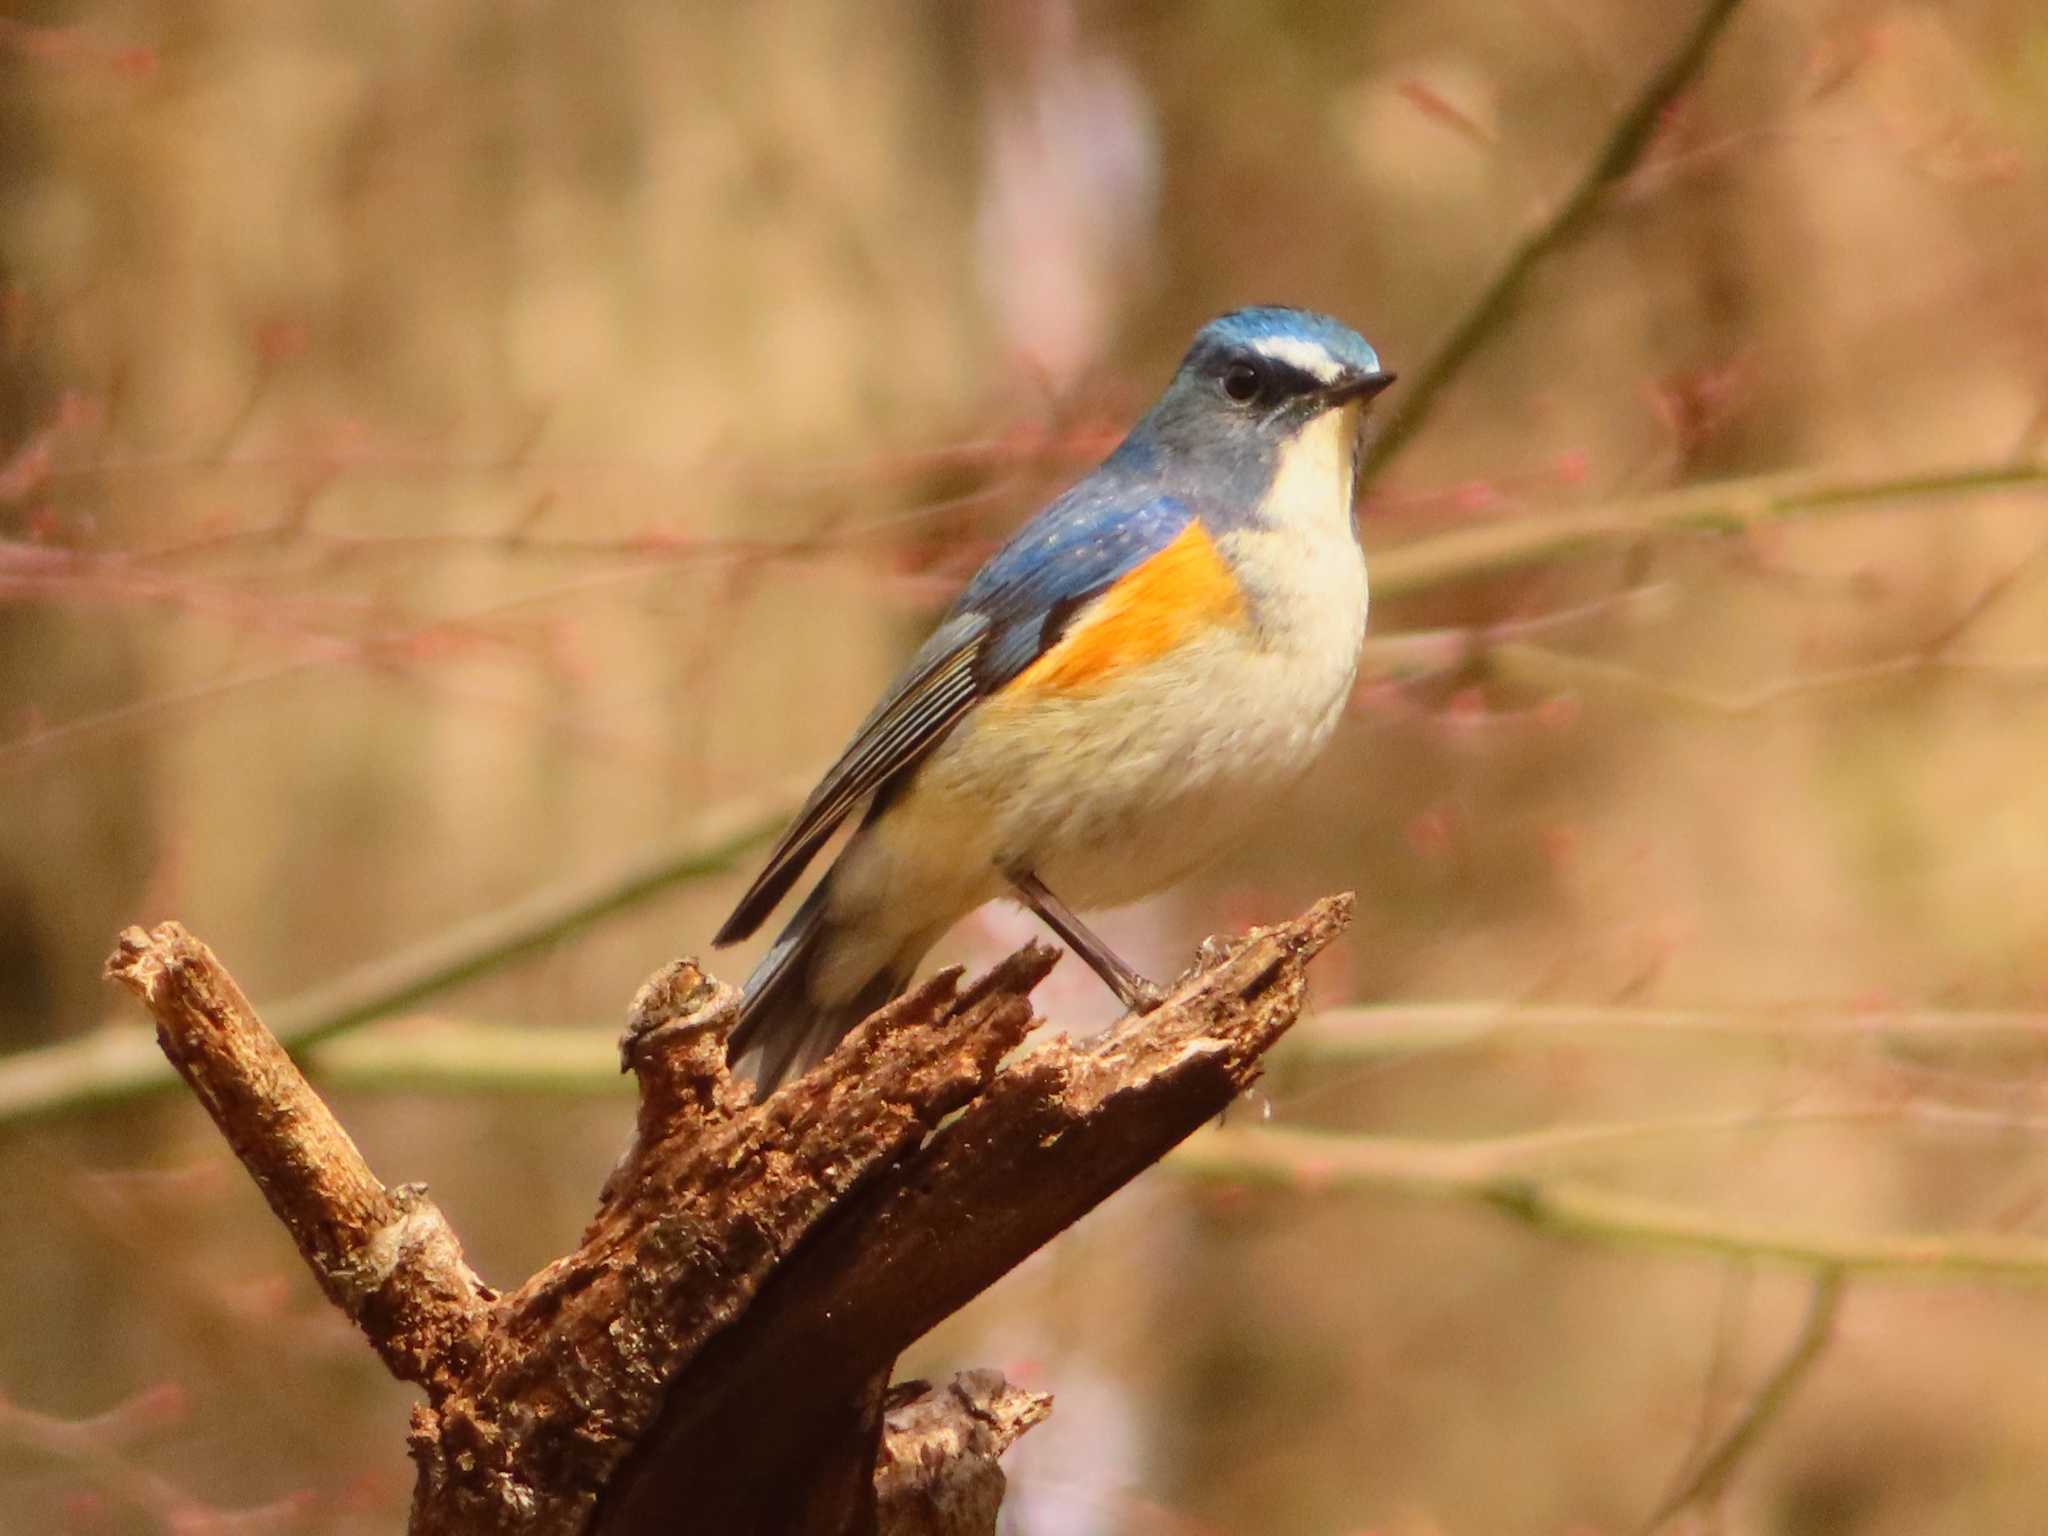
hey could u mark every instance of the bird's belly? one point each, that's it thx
(1113, 794)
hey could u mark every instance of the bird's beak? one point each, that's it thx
(1359, 386)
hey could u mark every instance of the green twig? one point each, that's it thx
(1624, 146)
(117, 1063)
(1530, 1151)
(1572, 1209)
(408, 1056)
(472, 1058)
(1395, 1030)
(431, 1055)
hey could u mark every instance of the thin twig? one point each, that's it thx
(1517, 658)
(1573, 1209)
(1994, 593)
(117, 1063)
(1738, 1282)
(1527, 1152)
(1377, 1032)
(451, 1057)
(1624, 146)
(1411, 654)
(1709, 1476)
(489, 1059)
(1718, 507)
(1558, 671)
(97, 1456)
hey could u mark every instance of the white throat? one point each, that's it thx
(1314, 479)
(1299, 561)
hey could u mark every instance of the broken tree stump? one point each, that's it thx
(714, 1355)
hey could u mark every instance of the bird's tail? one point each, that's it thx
(782, 1031)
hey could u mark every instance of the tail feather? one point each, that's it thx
(782, 1032)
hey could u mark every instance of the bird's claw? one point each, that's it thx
(1140, 995)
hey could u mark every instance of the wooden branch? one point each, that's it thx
(720, 1340)
(937, 1474)
(1046, 1142)
(386, 1257)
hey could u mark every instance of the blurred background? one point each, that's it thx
(465, 467)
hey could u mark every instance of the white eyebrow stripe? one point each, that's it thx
(1310, 357)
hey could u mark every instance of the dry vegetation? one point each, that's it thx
(463, 466)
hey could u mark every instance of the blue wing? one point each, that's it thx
(1013, 611)
(1057, 564)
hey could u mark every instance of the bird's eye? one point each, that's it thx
(1241, 382)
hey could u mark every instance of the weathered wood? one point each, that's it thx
(1052, 1136)
(938, 1472)
(386, 1257)
(714, 1355)
(714, 1195)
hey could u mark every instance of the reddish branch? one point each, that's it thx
(716, 1350)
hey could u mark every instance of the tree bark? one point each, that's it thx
(714, 1356)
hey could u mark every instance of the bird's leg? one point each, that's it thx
(1135, 992)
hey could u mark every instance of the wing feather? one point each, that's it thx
(910, 721)
(1016, 608)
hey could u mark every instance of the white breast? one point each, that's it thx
(1304, 572)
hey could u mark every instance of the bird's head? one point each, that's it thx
(1256, 381)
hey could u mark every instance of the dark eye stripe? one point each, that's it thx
(1288, 381)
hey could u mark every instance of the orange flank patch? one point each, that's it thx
(1173, 598)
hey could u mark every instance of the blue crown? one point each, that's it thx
(1247, 328)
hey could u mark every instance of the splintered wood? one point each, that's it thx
(713, 1355)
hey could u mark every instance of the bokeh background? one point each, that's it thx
(457, 458)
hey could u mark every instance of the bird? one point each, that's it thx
(1171, 638)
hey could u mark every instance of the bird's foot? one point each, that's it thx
(1132, 990)
(1135, 992)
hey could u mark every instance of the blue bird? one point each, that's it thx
(1175, 634)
